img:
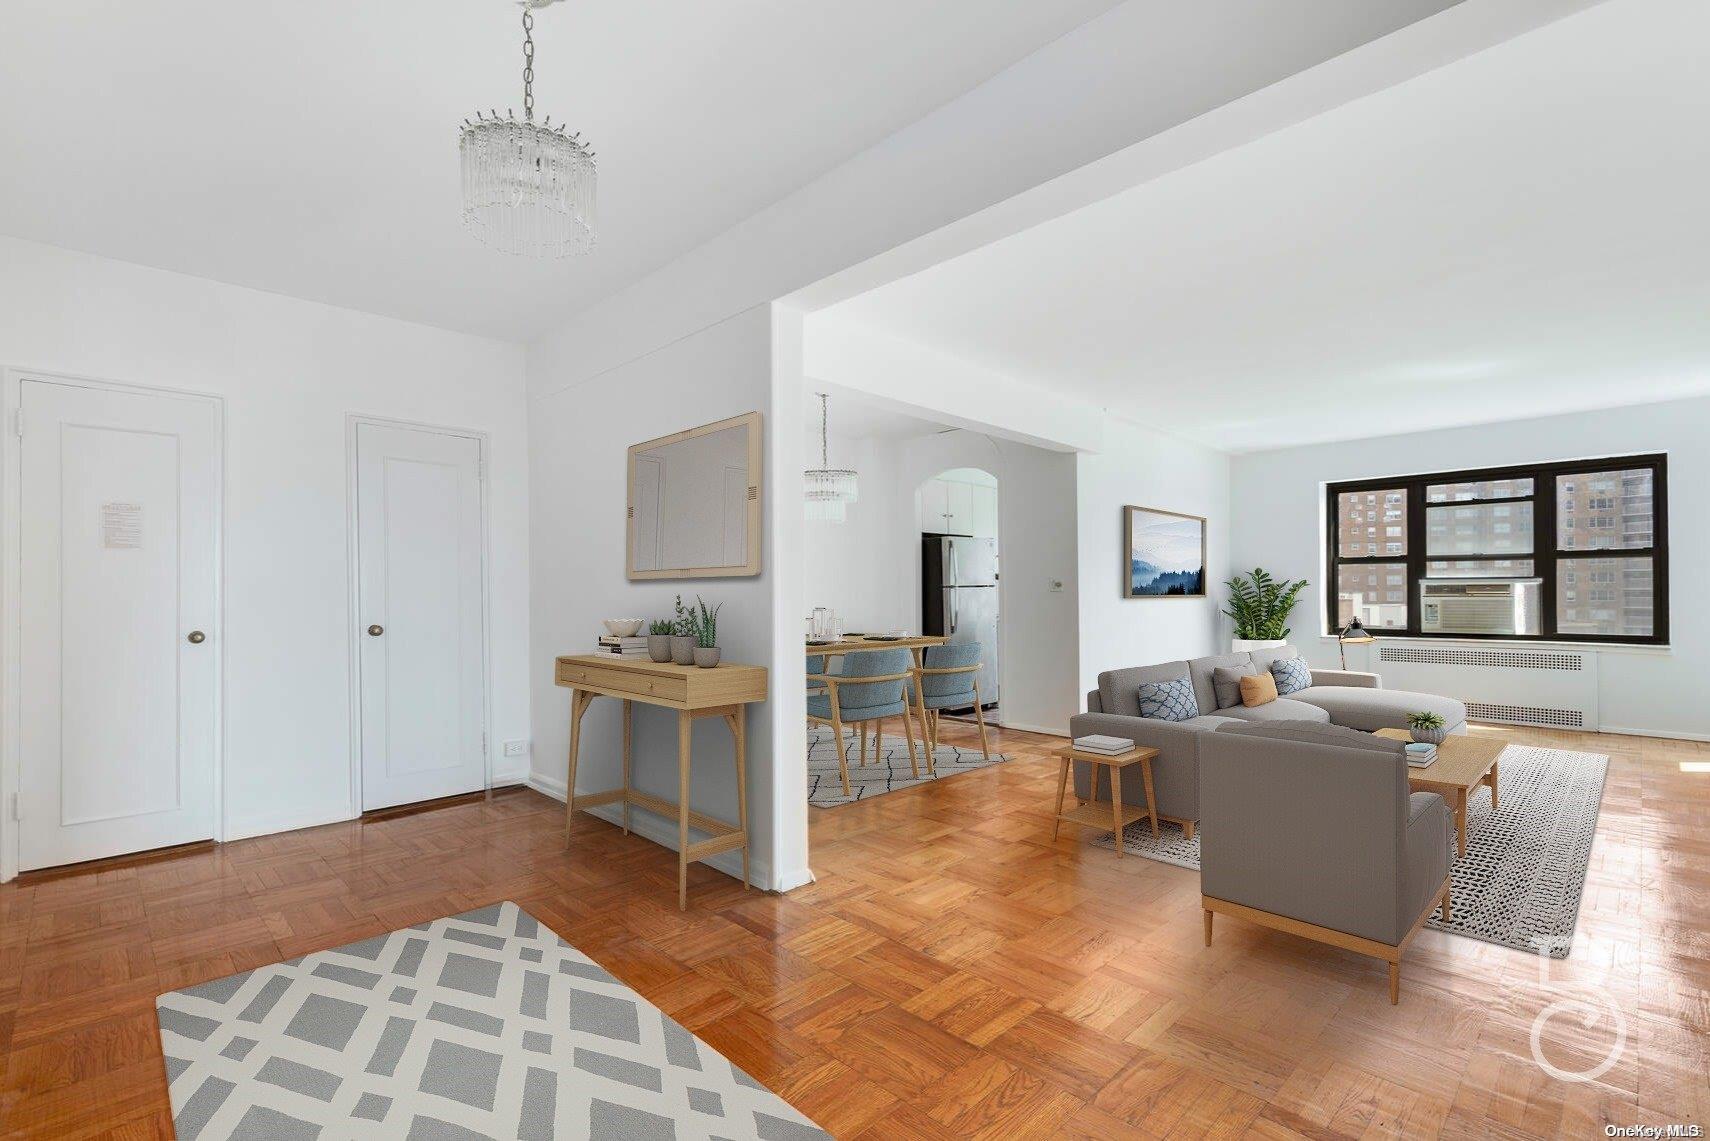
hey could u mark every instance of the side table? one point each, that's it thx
(1092, 813)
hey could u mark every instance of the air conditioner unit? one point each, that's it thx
(1480, 605)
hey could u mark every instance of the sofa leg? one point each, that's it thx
(1208, 914)
(1395, 983)
(1445, 903)
(1187, 829)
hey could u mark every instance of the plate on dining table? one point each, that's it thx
(885, 637)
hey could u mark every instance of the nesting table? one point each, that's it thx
(1092, 814)
(724, 691)
(1463, 763)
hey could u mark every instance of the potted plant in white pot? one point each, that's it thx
(706, 633)
(1260, 607)
(1427, 727)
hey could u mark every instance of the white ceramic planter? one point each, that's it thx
(1244, 645)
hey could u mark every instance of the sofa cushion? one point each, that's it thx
(1318, 732)
(1118, 690)
(1262, 659)
(1226, 683)
(1201, 670)
(1292, 675)
(1167, 700)
(1372, 709)
(1259, 689)
(1282, 709)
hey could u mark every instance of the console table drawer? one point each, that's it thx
(575, 675)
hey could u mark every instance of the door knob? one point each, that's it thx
(376, 631)
(196, 637)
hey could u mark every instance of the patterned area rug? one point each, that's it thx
(825, 786)
(481, 1025)
(1522, 879)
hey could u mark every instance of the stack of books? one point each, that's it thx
(1103, 745)
(1420, 753)
(635, 647)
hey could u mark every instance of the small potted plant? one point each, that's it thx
(706, 633)
(659, 640)
(1260, 607)
(1428, 727)
(683, 635)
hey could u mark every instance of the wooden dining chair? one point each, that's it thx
(870, 689)
(949, 679)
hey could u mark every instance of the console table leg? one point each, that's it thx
(739, 740)
(628, 712)
(685, 730)
(579, 700)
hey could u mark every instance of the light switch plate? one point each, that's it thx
(1056, 585)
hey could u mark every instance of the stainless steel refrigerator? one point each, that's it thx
(959, 582)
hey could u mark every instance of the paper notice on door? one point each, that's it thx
(121, 526)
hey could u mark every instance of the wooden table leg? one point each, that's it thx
(739, 741)
(685, 731)
(1461, 823)
(579, 700)
(1062, 790)
(1491, 780)
(628, 712)
(1151, 797)
(1116, 804)
(920, 704)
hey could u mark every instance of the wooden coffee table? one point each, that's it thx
(1463, 763)
(1092, 814)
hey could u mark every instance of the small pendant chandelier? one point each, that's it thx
(829, 490)
(528, 188)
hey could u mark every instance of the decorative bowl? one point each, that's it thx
(624, 627)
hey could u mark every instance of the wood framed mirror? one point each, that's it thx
(694, 502)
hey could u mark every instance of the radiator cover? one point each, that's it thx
(1552, 688)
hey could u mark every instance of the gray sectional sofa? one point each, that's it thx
(1336, 697)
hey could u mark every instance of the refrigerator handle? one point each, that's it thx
(955, 610)
(955, 573)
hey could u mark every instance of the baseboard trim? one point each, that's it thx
(1656, 733)
(1043, 732)
(664, 833)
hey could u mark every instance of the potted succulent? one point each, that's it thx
(659, 640)
(683, 635)
(1428, 727)
(1260, 607)
(706, 633)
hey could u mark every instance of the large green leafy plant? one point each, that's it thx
(1260, 605)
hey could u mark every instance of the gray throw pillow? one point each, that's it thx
(1226, 683)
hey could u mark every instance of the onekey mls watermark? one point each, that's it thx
(1653, 1131)
(1599, 1019)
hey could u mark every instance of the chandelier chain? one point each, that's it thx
(824, 461)
(528, 65)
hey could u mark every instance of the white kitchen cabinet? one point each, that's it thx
(959, 509)
(985, 513)
(934, 505)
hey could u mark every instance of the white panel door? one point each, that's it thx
(118, 628)
(419, 582)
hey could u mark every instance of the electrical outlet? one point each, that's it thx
(516, 748)
(1055, 585)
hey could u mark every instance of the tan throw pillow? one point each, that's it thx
(1260, 689)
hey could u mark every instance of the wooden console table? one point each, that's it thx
(723, 691)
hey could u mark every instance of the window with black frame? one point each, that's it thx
(1573, 551)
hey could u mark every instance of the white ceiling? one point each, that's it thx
(310, 148)
(1518, 233)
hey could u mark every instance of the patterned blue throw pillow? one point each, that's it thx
(1292, 675)
(1171, 700)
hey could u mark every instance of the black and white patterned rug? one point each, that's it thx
(1523, 876)
(480, 1025)
(890, 773)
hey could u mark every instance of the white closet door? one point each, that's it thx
(419, 575)
(118, 634)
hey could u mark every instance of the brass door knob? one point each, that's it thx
(196, 637)
(376, 631)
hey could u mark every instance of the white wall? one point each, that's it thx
(1146, 468)
(580, 437)
(289, 372)
(861, 566)
(1278, 499)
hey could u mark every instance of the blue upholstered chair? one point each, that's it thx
(949, 679)
(869, 689)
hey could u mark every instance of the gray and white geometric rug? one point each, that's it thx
(890, 773)
(480, 1025)
(1522, 879)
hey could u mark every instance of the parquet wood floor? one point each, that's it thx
(953, 972)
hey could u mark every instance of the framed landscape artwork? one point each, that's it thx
(1165, 554)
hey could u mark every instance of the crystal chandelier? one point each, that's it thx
(829, 490)
(528, 188)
